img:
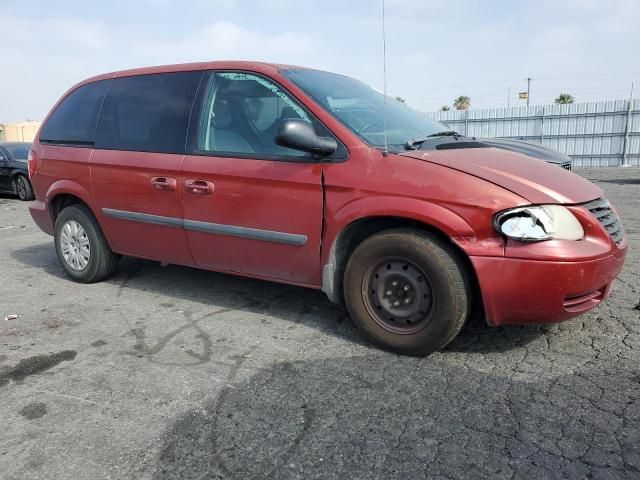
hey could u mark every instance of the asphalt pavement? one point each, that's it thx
(171, 372)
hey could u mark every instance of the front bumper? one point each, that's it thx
(523, 291)
(40, 214)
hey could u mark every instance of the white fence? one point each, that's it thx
(594, 134)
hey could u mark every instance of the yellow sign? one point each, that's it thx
(523, 95)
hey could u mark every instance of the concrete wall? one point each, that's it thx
(19, 132)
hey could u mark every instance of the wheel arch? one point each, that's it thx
(354, 233)
(64, 193)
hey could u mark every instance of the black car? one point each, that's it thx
(450, 139)
(532, 149)
(14, 175)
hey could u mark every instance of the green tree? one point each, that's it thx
(462, 103)
(564, 98)
(445, 108)
(401, 100)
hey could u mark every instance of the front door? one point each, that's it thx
(135, 167)
(251, 206)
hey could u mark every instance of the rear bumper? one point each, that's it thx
(520, 291)
(40, 214)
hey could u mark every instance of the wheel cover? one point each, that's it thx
(75, 246)
(21, 187)
(398, 295)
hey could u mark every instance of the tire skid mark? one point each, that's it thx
(217, 407)
(130, 276)
(308, 415)
(142, 347)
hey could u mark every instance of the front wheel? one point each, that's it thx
(81, 246)
(407, 291)
(23, 188)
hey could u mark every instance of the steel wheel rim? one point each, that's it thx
(74, 245)
(398, 295)
(21, 187)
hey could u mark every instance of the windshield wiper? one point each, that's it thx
(414, 144)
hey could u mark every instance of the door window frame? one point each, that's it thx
(196, 124)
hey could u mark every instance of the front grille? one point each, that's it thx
(607, 217)
(566, 166)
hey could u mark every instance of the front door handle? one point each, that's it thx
(163, 184)
(198, 187)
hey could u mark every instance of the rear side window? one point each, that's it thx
(148, 113)
(74, 121)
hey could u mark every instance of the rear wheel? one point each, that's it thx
(81, 246)
(23, 188)
(407, 291)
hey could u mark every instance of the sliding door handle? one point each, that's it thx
(198, 187)
(163, 184)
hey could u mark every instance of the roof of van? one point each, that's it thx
(260, 67)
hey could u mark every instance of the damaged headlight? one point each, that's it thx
(539, 222)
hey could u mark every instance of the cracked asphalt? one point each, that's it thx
(171, 372)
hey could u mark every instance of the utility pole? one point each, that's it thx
(528, 91)
(509, 97)
(627, 128)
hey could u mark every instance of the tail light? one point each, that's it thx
(32, 159)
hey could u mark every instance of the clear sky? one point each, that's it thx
(436, 50)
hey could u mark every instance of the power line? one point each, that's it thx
(450, 86)
(507, 82)
(590, 76)
(585, 90)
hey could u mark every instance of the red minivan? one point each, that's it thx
(313, 179)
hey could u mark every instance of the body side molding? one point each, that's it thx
(143, 217)
(214, 228)
(245, 232)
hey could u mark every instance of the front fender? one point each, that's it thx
(439, 217)
(338, 223)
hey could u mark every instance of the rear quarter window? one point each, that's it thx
(74, 120)
(148, 113)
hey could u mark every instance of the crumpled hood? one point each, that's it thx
(535, 180)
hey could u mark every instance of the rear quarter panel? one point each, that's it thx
(63, 170)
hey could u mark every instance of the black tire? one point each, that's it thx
(23, 189)
(101, 262)
(434, 274)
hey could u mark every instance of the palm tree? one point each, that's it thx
(564, 98)
(462, 103)
(445, 108)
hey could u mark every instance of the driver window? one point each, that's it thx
(242, 113)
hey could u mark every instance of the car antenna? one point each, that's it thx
(384, 78)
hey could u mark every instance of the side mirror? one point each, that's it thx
(300, 135)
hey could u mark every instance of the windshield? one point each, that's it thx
(361, 108)
(18, 152)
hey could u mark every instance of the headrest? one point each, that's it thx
(221, 114)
